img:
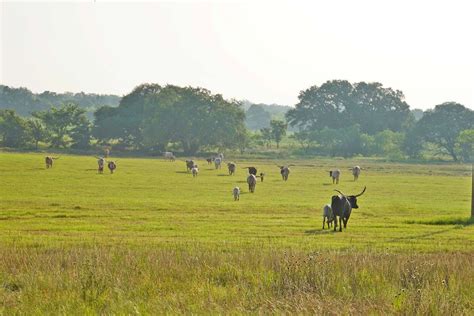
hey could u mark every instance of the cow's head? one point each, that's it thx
(330, 173)
(352, 198)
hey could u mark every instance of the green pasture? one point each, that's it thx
(155, 202)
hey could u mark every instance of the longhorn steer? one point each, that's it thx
(49, 161)
(236, 193)
(252, 182)
(189, 165)
(285, 172)
(231, 166)
(335, 174)
(112, 166)
(355, 172)
(342, 206)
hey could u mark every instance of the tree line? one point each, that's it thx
(338, 118)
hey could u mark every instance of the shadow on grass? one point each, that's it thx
(183, 172)
(223, 175)
(445, 221)
(320, 231)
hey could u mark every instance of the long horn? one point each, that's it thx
(361, 192)
(339, 192)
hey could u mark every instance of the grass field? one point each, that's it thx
(152, 239)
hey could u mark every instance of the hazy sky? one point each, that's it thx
(263, 51)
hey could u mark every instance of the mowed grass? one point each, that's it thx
(152, 239)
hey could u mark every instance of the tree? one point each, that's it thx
(278, 130)
(257, 118)
(443, 125)
(193, 117)
(13, 129)
(37, 131)
(338, 104)
(81, 134)
(465, 142)
(266, 136)
(60, 122)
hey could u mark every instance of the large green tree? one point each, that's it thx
(338, 104)
(60, 122)
(443, 124)
(13, 129)
(192, 117)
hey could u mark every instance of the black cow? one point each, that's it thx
(342, 206)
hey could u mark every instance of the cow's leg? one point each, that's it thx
(324, 220)
(340, 223)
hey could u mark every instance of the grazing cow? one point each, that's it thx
(236, 193)
(342, 206)
(217, 162)
(252, 182)
(285, 172)
(328, 216)
(355, 172)
(231, 166)
(261, 176)
(252, 170)
(112, 166)
(209, 161)
(100, 163)
(189, 165)
(195, 171)
(49, 161)
(168, 155)
(335, 174)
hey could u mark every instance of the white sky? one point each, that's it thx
(263, 51)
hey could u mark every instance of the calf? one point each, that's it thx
(328, 216)
(252, 182)
(342, 206)
(195, 171)
(209, 161)
(236, 193)
(335, 174)
(261, 176)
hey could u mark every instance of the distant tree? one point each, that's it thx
(257, 118)
(81, 133)
(338, 104)
(13, 129)
(37, 131)
(60, 122)
(465, 142)
(108, 125)
(388, 143)
(278, 131)
(266, 136)
(443, 125)
(192, 117)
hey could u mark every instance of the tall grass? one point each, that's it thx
(104, 280)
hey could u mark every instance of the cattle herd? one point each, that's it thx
(339, 210)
